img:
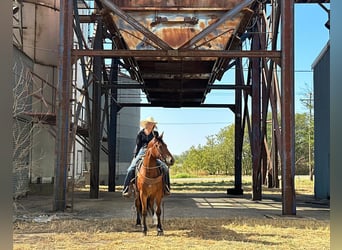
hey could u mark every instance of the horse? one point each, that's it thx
(149, 186)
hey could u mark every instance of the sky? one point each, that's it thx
(186, 127)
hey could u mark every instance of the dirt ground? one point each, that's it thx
(177, 205)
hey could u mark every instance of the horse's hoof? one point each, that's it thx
(160, 232)
(144, 233)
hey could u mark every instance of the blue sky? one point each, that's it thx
(186, 127)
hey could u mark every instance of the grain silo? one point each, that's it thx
(36, 29)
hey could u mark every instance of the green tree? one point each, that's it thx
(217, 155)
(308, 103)
(225, 139)
(195, 160)
(246, 155)
(304, 136)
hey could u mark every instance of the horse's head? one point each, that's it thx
(160, 151)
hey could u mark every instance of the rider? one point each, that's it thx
(144, 136)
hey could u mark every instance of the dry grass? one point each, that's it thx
(236, 233)
(190, 233)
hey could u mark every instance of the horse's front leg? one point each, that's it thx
(144, 214)
(137, 203)
(138, 220)
(160, 230)
(138, 210)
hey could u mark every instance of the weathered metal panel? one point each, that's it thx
(322, 125)
(47, 35)
(176, 28)
(53, 4)
(43, 151)
(29, 31)
(180, 4)
(40, 35)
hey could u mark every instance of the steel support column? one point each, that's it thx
(265, 95)
(237, 190)
(96, 116)
(112, 126)
(63, 106)
(256, 121)
(287, 108)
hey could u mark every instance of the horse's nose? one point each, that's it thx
(171, 161)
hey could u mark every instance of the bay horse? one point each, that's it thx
(149, 185)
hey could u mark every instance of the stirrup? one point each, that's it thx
(126, 192)
(166, 190)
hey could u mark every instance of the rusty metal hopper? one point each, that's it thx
(174, 26)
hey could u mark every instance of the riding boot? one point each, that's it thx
(130, 175)
(166, 184)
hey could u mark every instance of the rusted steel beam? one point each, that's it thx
(235, 41)
(89, 18)
(112, 125)
(287, 108)
(147, 33)
(175, 76)
(306, 1)
(265, 93)
(311, 1)
(63, 106)
(237, 190)
(256, 121)
(120, 43)
(182, 5)
(270, 95)
(228, 15)
(212, 105)
(158, 54)
(275, 102)
(95, 138)
(213, 86)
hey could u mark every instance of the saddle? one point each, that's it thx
(137, 168)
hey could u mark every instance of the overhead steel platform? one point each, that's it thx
(177, 26)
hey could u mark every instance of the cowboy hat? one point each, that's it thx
(149, 119)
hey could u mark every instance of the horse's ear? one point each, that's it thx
(161, 135)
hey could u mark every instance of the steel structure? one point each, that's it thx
(177, 51)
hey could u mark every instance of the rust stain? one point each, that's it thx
(177, 3)
(171, 26)
(175, 36)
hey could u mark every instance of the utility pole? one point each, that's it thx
(310, 113)
(308, 104)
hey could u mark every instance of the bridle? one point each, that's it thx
(160, 155)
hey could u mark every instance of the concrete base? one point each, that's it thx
(234, 191)
(41, 189)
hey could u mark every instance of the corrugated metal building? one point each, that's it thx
(321, 77)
